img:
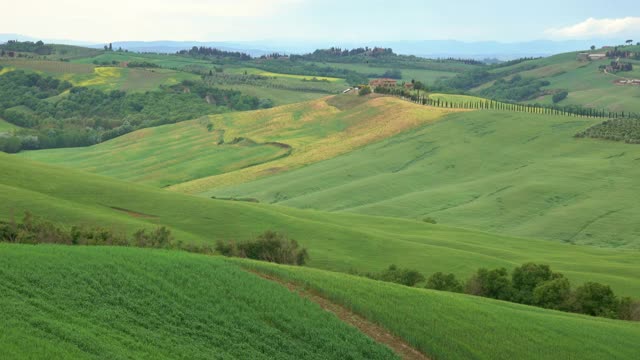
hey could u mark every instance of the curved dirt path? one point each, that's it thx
(374, 331)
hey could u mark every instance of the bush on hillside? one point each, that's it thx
(270, 246)
(396, 275)
(557, 97)
(526, 278)
(629, 309)
(494, 284)
(444, 282)
(595, 299)
(365, 90)
(553, 294)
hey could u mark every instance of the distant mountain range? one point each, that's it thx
(425, 48)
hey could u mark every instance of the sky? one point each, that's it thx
(325, 20)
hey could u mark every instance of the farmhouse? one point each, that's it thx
(583, 56)
(386, 83)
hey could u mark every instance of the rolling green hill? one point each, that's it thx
(194, 159)
(117, 303)
(514, 173)
(341, 242)
(452, 326)
(587, 85)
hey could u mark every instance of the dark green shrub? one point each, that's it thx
(526, 278)
(557, 97)
(595, 299)
(270, 246)
(444, 282)
(396, 275)
(490, 283)
(553, 294)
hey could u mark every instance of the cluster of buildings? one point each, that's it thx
(388, 83)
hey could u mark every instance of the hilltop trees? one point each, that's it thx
(86, 116)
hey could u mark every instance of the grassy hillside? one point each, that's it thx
(315, 131)
(5, 126)
(109, 303)
(335, 241)
(103, 78)
(112, 303)
(452, 326)
(513, 173)
(587, 85)
(166, 155)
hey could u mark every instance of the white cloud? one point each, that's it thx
(598, 28)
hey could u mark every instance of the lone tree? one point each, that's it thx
(629, 42)
(593, 47)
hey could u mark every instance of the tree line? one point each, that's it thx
(529, 284)
(86, 116)
(210, 52)
(487, 104)
(37, 47)
(269, 246)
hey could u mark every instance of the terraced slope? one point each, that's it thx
(110, 303)
(514, 173)
(231, 153)
(335, 241)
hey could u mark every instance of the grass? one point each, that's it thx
(316, 131)
(298, 77)
(119, 303)
(338, 242)
(165, 155)
(426, 76)
(6, 126)
(587, 85)
(453, 326)
(104, 78)
(503, 172)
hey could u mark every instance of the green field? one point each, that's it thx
(109, 303)
(186, 152)
(504, 172)
(104, 78)
(587, 85)
(339, 242)
(426, 76)
(167, 155)
(452, 326)
(112, 303)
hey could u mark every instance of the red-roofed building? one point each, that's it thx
(386, 83)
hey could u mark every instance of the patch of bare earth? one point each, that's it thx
(374, 331)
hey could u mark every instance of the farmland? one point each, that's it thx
(340, 242)
(315, 131)
(411, 165)
(107, 303)
(457, 323)
(514, 173)
(217, 149)
(587, 85)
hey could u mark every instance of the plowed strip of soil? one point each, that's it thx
(376, 332)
